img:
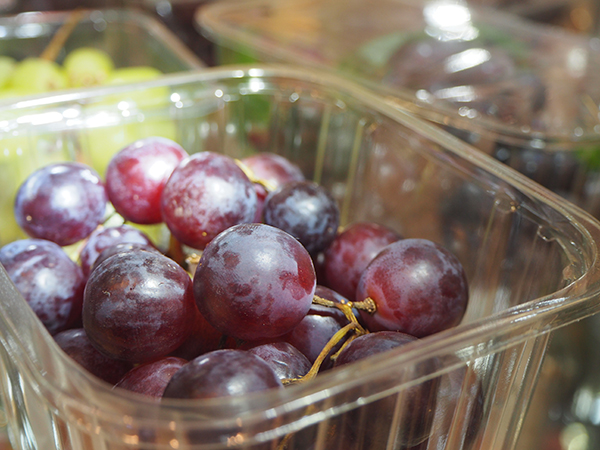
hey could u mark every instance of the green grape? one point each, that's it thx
(37, 75)
(134, 74)
(7, 66)
(87, 66)
(138, 74)
(15, 164)
(10, 92)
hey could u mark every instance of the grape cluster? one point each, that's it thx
(233, 303)
(82, 67)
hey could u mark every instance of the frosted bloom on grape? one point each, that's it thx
(305, 210)
(206, 194)
(62, 203)
(49, 281)
(137, 174)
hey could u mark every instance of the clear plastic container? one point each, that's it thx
(525, 93)
(531, 259)
(131, 38)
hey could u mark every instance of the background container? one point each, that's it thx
(130, 37)
(531, 259)
(525, 93)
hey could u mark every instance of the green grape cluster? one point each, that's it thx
(82, 67)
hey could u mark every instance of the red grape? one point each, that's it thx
(273, 168)
(206, 194)
(120, 248)
(49, 281)
(204, 338)
(151, 378)
(418, 286)
(102, 238)
(285, 359)
(318, 327)
(350, 253)
(138, 306)
(222, 373)
(254, 282)
(77, 345)
(137, 174)
(61, 202)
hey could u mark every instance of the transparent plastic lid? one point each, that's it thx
(476, 69)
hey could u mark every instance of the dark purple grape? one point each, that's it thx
(120, 248)
(350, 253)
(137, 174)
(151, 378)
(318, 327)
(49, 281)
(222, 373)
(76, 344)
(61, 202)
(285, 359)
(418, 402)
(254, 282)
(102, 238)
(306, 211)
(419, 288)
(206, 194)
(274, 169)
(138, 306)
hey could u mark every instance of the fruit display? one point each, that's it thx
(132, 306)
(258, 296)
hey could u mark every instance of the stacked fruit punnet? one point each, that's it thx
(233, 305)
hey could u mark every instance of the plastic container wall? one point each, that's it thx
(531, 259)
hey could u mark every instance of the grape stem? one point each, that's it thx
(367, 304)
(346, 308)
(314, 370)
(253, 178)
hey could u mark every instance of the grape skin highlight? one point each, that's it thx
(137, 174)
(49, 281)
(138, 306)
(61, 202)
(206, 194)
